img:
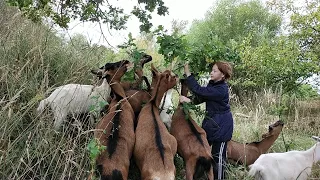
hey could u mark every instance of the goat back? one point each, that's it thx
(116, 132)
(155, 147)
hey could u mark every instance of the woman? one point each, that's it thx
(218, 123)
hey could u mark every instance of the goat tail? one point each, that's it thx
(114, 175)
(203, 166)
(42, 106)
(255, 171)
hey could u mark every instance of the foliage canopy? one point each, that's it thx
(111, 13)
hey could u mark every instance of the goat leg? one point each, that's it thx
(190, 167)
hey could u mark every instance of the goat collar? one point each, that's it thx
(164, 101)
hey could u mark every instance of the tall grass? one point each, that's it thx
(34, 60)
(252, 119)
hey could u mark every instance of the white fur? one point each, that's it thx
(164, 115)
(204, 79)
(74, 99)
(163, 176)
(290, 165)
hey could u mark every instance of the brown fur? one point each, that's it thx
(189, 146)
(120, 159)
(248, 153)
(139, 72)
(137, 98)
(133, 85)
(154, 159)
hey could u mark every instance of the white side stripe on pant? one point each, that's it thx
(220, 164)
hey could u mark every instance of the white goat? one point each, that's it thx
(75, 98)
(290, 165)
(166, 108)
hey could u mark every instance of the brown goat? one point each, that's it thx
(116, 132)
(138, 97)
(155, 147)
(247, 154)
(127, 85)
(139, 72)
(192, 142)
(131, 88)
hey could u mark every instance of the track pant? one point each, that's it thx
(219, 154)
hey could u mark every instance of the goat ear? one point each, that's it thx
(154, 73)
(316, 138)
(97, 72)
(153, 69)
(94, 71)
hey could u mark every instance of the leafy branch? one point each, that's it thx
(61, 12)
(199, 113)
(95, 148)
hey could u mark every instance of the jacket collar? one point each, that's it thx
(216, 83)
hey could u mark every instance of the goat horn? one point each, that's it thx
(316, 138)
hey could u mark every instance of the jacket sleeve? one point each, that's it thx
(207, 93)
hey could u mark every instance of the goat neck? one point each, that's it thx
(317, 152)
(114, 75)
(165, 82)
(267, 142)
(313, 154)
(184, 90)
(104, 89)
(118, 89)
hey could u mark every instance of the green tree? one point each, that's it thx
(225, 26)
(248, 35)
(61, 12)
(304, 25)
(279, 61)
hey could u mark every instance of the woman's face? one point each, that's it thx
(216, 74)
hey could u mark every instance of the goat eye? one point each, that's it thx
(270, 128)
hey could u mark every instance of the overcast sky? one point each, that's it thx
(178, 10)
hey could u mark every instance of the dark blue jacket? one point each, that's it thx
(218, 123)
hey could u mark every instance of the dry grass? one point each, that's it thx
(252, 120)
(30, 149)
